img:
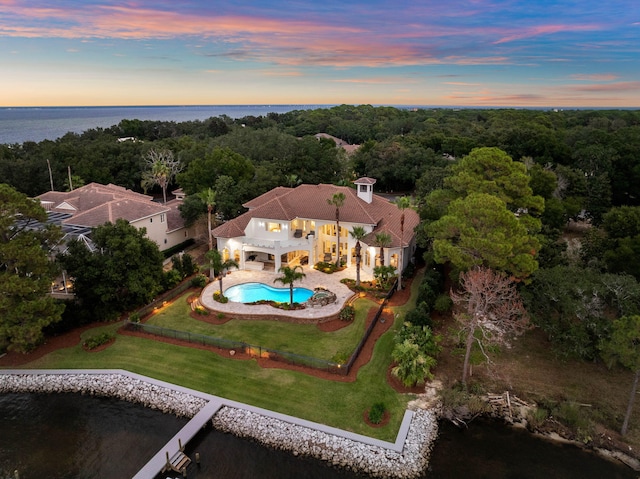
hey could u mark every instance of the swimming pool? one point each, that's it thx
(252, 292)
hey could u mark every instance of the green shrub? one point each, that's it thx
(536, 418)
(199, 281)
(347, 313)
(134, 317)
(443, 303)
(220, 298)
(328, 268)
(420, 316)
(341, 357)
(168, 253)
(97, 340)
(376, 413)
(170, 279)
(570, 414)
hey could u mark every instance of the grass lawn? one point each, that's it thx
(303, 339)
(338, 404)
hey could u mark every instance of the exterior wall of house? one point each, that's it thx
(261, 248)
(156, 226)
(176, 237)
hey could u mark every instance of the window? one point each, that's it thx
(274, 227)
(161, 217)
(363, 188)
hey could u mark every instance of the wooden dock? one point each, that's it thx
(171, 456)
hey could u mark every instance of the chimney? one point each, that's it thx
(364, 187)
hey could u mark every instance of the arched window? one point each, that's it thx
(225, 254)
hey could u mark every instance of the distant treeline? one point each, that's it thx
(405, 150)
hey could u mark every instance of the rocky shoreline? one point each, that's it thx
(340, 452)
(116, 386)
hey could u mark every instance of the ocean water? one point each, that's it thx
(21, 124)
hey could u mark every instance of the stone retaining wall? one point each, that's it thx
(338, 451)
(117, 386)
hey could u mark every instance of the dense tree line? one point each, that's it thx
(595, 151)
(548, 167)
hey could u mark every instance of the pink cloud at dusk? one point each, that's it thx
(336, 51)
(546, 30)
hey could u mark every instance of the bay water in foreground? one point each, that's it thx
(75, 436)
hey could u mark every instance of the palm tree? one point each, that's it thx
(292, 180)
(337, 200)
(402, 203)
(383, 240)
(161, 169)
(289, 276)
(357, 233)
(208, 197)
(218, 267)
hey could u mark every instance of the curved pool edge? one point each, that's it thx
(281, 295)
(313, 279)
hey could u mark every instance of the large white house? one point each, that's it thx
(288, 226)
(94, 204)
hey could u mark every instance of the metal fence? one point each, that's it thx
(169, 295)
(367, 333)
(250, 349)
(239, 346)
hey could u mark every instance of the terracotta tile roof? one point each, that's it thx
(310, 202)
(365, 180)
(127, 209)
(174, 220)
(233, 228)
(269, 195)
(95, 204)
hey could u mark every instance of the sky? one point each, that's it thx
(482, 53)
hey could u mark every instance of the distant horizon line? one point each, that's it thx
(270, 105)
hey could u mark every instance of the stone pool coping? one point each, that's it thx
(313, 279)
(405, 458)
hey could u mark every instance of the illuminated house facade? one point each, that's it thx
(290, 226)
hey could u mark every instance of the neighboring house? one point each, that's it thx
(94, 204)
(339, 142)
(289, 226)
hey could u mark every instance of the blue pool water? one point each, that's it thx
(251, 292)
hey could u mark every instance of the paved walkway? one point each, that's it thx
(313, 279)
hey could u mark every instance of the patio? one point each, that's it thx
(313, 279)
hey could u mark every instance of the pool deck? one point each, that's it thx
(313, 279)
